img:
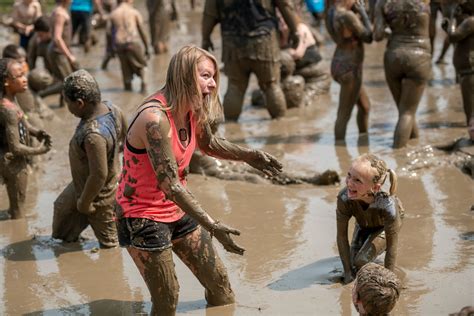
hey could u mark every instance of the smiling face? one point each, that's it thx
(206, 72)
(359, 181)
(16, 81)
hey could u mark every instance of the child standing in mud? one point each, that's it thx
(94, 160)
(156, 213)
(376, 290)
(15, 132)
(125, 27)
(349, 26)
(378, 215)
(407, 58)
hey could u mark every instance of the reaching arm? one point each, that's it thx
(220, 148)
(209, 21)
(463, 30)
(96, 151)
(13, 137)
(379, 27)
(143, 36)
(158, 145)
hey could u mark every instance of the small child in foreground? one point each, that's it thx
(376, 290)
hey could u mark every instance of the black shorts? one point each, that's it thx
(145, 234)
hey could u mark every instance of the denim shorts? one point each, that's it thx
(146, 234)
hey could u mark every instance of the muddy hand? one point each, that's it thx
(222, 233)
(265, 162)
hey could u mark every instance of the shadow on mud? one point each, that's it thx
(44, 248)
(324, 271)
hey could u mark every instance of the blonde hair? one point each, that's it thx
(381, 170)
(377, 288)
(182, 90)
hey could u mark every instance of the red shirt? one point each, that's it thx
(138, 193)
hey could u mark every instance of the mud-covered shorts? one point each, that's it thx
(146, 234)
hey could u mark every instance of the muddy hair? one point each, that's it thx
(13, 51)
(381, 171)
(377, 288)
(182, 91)
(81, 85)
(5, 64)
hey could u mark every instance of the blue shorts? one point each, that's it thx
(146, 234)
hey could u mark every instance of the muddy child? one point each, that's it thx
(126, 28)
(62, 60)
(349, 26)
(94, 159)
(15, 133)
(378, 215)
(376, 290)
(407, 59)
(157, 214)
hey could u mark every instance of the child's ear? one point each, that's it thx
(80, 103)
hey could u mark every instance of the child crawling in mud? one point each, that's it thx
(15, 133)
(378, 215)
(376, 290)
(94, 160)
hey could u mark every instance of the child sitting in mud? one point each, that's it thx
(94, 160)
(376, 290)
(125, 26)
(15, 134)
(378, 215)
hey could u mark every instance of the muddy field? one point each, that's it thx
(291, 264)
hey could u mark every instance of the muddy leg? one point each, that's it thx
(198, 253)
(16, 183)
(467, 84)
(158, 272)
(103, 225)
(234, 97)
(363, 105)
(350, 91)
(444, 50)
(412, 91)
(374, 246)
(127, 72)
(68, 223)
(268, 74)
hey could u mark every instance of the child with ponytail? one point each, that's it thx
(378, 215)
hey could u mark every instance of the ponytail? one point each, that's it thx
(393, 181)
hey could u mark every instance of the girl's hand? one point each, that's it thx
(222, 233)
(265, 162)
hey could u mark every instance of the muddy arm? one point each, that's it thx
(123, 132)
(463, 30)
(58, 39)
(392, 227)
(220, 148)
(13, 137)
(362, 30)
(209, 21)
(38, 133)
(380, 24)
(96, 151)
(158, 145)
(141, 30)
(343, 247)
(289, 15)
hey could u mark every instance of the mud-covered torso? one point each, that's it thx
(386, 211)
(409, 23)
(5, 106)
(349, 48)
(108, 126)
(124, 24)
(67, 28)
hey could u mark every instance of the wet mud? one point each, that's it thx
(291, 264)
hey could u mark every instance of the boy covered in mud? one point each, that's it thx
(15, 132)
(125, 26)
(378, 215)
(94, 160)
(376, 290)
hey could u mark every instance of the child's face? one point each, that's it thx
(356, 301)
(16, 81)
(359, 180)
(75, 107)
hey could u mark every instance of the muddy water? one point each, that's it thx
(291, 262)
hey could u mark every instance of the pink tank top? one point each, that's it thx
(138, 193)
